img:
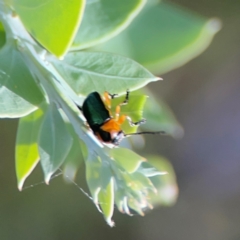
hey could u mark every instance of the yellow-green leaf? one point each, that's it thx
(2, 36)
(134, 110)
(106, 201)
(27, 155)
(52, 23)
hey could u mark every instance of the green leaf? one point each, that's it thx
(98, 175)
(105, 174)
(126, 158)
(134, 109)
(159, 117)
(19, 94)
(177, 36)
(106, 201)
(133, 204)
(54, 142)
(74, 159)
(121, 201)
(86, 72)
(26, 154)
(104, 19)
(93, 166)
(76, 156)
(139, 183)
(2, 36)
(166, 185)
(52, 23)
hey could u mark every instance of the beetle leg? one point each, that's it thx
(121, 119)
(126, 98)
(131, 123)
(118, 118)
(112, 95)
(107, 99)
(117, 112)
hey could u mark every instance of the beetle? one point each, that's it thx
(105, 126)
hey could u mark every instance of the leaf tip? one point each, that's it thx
(141, 213)
(150, 206)
(61, 57)
(110, 222)
(214, 25)
(47, 179)
(163, 173)
(20, 185)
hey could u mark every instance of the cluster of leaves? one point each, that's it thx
(42, 90)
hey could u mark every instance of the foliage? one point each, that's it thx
(42, 79)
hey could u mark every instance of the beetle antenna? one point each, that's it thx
(139, 133)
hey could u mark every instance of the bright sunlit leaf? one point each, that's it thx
(134, 109)
(106, 201)
(26, 153)
(52, 23)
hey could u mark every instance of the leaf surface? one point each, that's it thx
(86, 72)
(27, 155)
(163, 37)
(106, 201)
(2, 36)
(54, 142)
(126, 158)
(19, 94)
(53, 23)
(104, 19)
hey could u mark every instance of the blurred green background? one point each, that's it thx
(204, 95)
